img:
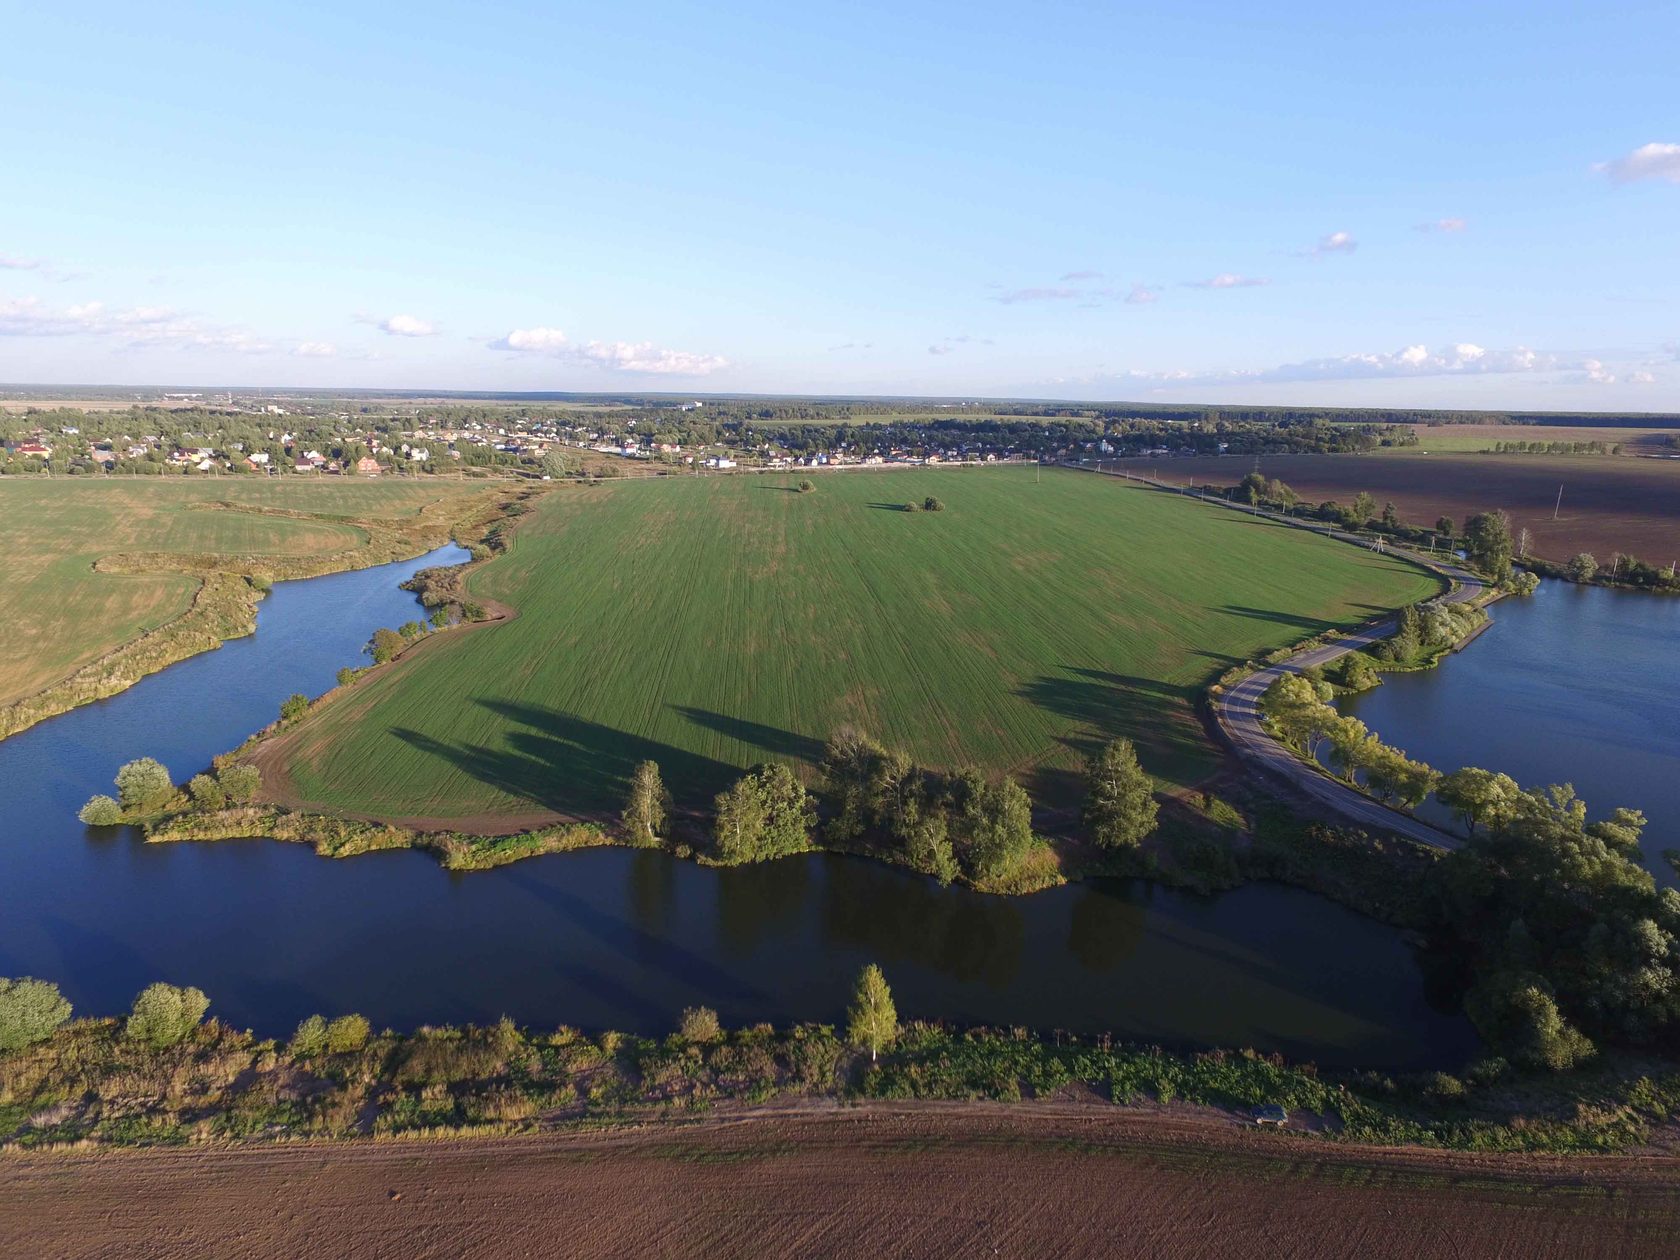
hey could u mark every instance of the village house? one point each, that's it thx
(367, 466)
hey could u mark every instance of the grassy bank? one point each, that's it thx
(93, 1083)
(91, 620)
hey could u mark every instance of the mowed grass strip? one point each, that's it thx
(60, 614)
(712, 623)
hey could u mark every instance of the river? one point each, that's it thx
(615, 938)
(1574, 684)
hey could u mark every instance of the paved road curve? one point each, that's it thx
(1237, 710)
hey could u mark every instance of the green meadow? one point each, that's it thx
(710, 623)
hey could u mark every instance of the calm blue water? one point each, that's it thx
(622, 939)
(1574, 684)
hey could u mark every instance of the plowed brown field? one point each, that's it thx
(877, 1182)
(1609, 503)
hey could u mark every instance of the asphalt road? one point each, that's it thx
(1237, 710)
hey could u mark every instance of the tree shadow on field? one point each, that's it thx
(570, 765)
(889, 507)
(1313, 625)
(1155, 715)
(771, 739)
(779, 489)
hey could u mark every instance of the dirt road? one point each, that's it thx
(970, 1180)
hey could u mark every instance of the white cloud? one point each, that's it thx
(1648, 161)
(1082, 275)
(1333, 243)
(402, 325)
(539, 340)
(619, 356)
(314, 350)
(941, 349)
(1442, 225)
(1227, 280)
(1597, 373)
(134, 326)
(1039, 295)
(1642, 378)
(9, 262)
(1142, 295)
(1464, 359)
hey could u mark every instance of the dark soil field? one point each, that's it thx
(1609, 504)
(969, 1180)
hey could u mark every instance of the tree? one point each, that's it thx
(1444, 526)
(241, 783)
(1251, 489)
(1479, 797)
(1120, 808)
(806, 486)
(649, 806)
(385, 645)
(1582, 567)
(992, 822)
(1487, 543)
(872, 1022)
(30, 1010)
(101, 811)
(1390, 516)
(144, 784)
(165, 1015)
(294, 706)
(439, 617)
(557, 462)
(766, 814)
(1364, 508)
(931, 504)
(206, 792)
(346, 676)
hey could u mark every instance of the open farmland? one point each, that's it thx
(1441, 438)
(60, 614)
(1609, 504)
(899, 1181)
(710, 623)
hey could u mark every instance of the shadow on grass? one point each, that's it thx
(770, 739)
(890, 507)
(1154, 715)
(568, 764)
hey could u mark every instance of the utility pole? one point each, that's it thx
(1558, 504)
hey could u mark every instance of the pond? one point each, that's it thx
(614, 938)
(1574, 684)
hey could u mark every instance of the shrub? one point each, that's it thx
(346, 676)
(700, 1025)
(439, 618)
(144, 784)
(165, 1015)
(310, 1039)
(206, 792)
(101, 811)
(294, 706)
(931, 504)
(412, 630)
(240, 783)
(29, 1012)
(912, 507)
(806, 486)
(347, 1033)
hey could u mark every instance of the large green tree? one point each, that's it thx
(1120, 808)
(29, 1012)
(1487, 543)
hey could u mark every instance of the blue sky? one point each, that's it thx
(1430, 204)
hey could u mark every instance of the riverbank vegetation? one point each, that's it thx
(110, 582)
(167, 1076)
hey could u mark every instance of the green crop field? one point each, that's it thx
(710, 623)
(60, 614)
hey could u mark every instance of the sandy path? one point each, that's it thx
(879, 1182)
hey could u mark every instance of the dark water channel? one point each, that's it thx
(622, 939)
